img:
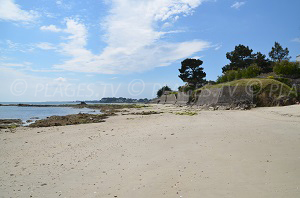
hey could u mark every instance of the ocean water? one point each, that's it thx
(27, 113)
(39, 103)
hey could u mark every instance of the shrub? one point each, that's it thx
(286, 68)
(251, 72)
(285, 81)
(231, 75)
(222, 79)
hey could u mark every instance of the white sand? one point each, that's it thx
(253, 154)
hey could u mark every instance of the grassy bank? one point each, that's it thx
(267, 92)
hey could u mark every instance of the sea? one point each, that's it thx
(36, 113)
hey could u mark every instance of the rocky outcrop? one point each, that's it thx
(227, 97)
(208, 97)
(183, 98)
(171, 99)
(10, 123)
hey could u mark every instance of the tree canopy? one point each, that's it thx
(242, 57)
(262, 62)
(162, 90)
(277, 54)
(192, 73)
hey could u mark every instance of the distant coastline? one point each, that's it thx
(106, 100)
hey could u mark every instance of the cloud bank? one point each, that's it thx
(11, 11)
(134, 38)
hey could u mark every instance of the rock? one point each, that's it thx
(72, 119)
(10, 123)
(211, 108)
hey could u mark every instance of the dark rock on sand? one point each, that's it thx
(10, 123)
(70, 120)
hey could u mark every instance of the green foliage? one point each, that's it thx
(267, 92)
(162, 90)
(231, 75)
(242, 57)
(250, 72)
(261, 82)
(192, 73)
(286, 68)
(13, 126)
(262, 62)
(140, 106)
(278, 54)
(173, 92)
(285, 81)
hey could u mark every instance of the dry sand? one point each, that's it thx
(213, 154)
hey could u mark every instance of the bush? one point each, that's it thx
(161, 91)
(251, 72)
(231, 75)
(222, 79)
(285, 81)
(286, 68)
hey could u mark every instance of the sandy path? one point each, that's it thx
(213, 154)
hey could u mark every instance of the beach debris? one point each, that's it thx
(145, 113)
(187, 113)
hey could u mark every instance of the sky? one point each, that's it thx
(65, 50)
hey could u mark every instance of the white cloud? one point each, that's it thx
(58, 2)
(11, 11)
(218, 47)
(63, 5)
(51, 28)
(297, 40)
(45, 46)
(237, 5)
(197, 57)
(11, 46)
(134, 42)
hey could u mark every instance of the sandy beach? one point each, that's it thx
(242, 154)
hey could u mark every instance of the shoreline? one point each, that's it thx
(234, 153)
(108, 109)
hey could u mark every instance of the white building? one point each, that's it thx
(298, 58)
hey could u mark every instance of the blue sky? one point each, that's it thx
(58, 50)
